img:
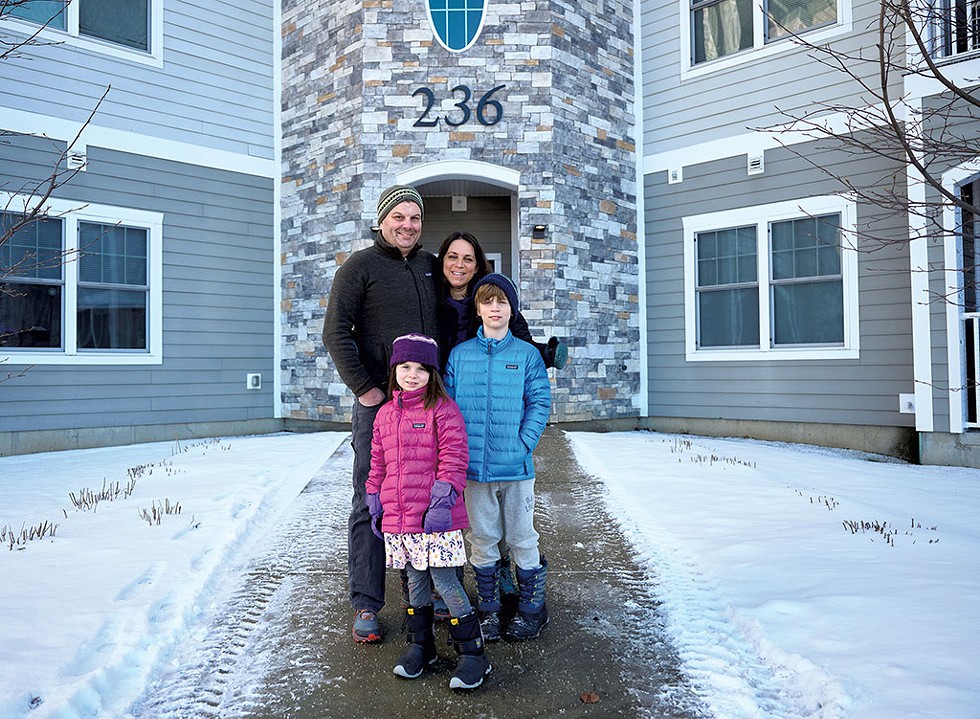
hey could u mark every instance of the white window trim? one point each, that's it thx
(71, 213)
(760, 48)
(955, 295)
(70, 36)
(762, 215)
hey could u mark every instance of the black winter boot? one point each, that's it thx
(488, 589)
(532, 612)
(509, 594)
(422, 643)
(473, 664)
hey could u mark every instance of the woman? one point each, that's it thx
(463, 263)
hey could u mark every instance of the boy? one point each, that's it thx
(501, 386)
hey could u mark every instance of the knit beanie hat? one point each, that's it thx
(414, 348)
(395, 195)
(503, 282)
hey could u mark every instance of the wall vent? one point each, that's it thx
(76, 160)
(756, 165)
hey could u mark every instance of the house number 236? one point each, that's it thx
(488, 111)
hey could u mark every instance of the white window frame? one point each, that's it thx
(760, 48)
(71, 213)
(71, 36)
(762, 216)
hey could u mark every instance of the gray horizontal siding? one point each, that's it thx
(860, 391)
(215, 88)
(218, 300)
(734, 100)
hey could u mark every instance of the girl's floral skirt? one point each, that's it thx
(437, 549)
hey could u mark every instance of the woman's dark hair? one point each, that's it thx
(482, 264)
(434, 390)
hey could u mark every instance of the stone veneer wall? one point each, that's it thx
(349, 71)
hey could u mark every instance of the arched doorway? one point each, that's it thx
(474, 197)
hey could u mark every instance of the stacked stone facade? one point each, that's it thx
(566, 125)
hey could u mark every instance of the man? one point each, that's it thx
(379, 293)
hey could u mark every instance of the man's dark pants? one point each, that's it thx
(365, 552)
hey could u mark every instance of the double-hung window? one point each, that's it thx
(954, 27)
(81, 285)
(777, 281)
(129, 27)
(720, 28)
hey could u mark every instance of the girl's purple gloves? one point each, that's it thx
(439, 516)
(374, 507)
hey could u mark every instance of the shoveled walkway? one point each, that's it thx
(284, 649)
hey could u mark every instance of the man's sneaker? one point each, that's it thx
(367, 628)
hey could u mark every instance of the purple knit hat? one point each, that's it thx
(414, 348)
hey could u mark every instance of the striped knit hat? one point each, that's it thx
(395, 195)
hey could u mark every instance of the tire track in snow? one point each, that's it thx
(213, 674)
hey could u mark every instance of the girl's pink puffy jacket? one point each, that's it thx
(406, 459)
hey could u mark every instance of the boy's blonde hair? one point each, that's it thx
(487, 292)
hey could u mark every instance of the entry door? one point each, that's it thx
(970, 193)
(486, 218)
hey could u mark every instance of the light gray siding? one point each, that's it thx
(215, 87)
(684, 111)
(861, 391)
(218, 300)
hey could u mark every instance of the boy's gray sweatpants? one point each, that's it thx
(502, 510)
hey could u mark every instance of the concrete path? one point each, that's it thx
(280, 645)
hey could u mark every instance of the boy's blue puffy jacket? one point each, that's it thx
(502, 389)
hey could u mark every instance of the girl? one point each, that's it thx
(415, 496)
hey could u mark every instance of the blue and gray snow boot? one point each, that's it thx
(532, 612)
(422, 643)
(473, 664)
(488, 589)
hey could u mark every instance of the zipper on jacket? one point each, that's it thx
(401, 466)
(486, 421)
(418, 296)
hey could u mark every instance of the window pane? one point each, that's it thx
(111, 319)
(33, 251)
(808, 313)
(728, 318)
(793, 16)
(111, 254)
(30, 315)
(805, 247)
(727, 256)
(721, 28)
(50, 13)
(125, 22)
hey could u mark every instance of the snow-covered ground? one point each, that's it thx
(854, 580)
(857, 576)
